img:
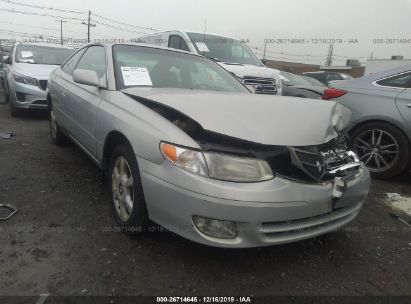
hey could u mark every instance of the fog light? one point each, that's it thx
(21, 97)
(216, 228)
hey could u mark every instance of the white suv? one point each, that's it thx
(232, 54)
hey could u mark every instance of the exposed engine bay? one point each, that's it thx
(310, 164)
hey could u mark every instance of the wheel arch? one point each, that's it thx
(358, 125)
(113, 139)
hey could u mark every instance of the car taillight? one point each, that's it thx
(333, 93)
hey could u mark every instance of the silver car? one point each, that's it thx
(29, 66)
(186, 145)
(380, 130)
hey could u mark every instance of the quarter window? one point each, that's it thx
(397, 81)
(177, 42)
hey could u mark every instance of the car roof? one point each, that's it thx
(188, 31)
(389, 72)
(146, 46)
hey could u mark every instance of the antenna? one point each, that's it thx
(205, 30)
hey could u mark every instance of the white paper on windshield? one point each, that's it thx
(136, 76)
(26, 54)
(202, 47)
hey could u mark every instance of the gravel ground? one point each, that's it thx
(62, 240)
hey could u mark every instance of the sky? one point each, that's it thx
(359, 28)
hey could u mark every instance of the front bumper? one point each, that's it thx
(25, 96)
(267, 213)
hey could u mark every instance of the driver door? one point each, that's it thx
(83, 100)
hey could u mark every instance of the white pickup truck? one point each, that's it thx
(233, 54)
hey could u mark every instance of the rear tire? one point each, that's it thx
(383, 148)
(128, 202)
(57, 136)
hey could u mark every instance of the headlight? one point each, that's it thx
(279, 84)
(218, 166)
(25, 79)
(184, 158)
(237, 169)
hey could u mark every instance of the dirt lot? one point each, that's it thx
(62, 241)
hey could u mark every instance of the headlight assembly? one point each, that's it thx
(25, 79)
(218, 166)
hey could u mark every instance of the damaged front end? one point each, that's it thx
(314, 164)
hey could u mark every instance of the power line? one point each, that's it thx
(39, 14)
(124, 23)
(43, 28)
(43, 7)
(118, 28)
(25, 34)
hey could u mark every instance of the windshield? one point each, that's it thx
(290, 79)
(223, 49)
(42, 54)
(141, 67)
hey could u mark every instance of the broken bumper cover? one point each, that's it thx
(266, 213)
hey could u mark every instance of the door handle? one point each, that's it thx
(409, 105)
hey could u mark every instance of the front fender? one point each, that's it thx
(142, 127)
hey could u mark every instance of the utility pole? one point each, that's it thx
(61, 30)
(265, 49)
(88, 28)
(89, 25)
(329, 59)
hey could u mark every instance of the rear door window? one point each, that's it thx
(397, 81)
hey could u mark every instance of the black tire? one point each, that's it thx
(57, 136)
(399, 164)
(138, 217)
(15, 112)
(6, 95)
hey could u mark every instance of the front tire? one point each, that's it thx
(14, 111)
(128, 201)
(383, 148)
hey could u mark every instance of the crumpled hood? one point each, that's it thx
(264, 119)
(34, 70)
(250, 70)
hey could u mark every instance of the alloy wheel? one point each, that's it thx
(378, 149)
(122, 188)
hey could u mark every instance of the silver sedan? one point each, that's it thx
(186, 145)
(380, 128)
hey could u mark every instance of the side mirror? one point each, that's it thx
(6, 59)
(86, 77)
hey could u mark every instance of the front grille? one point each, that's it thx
(302, 228)
(324, 164)
(43, 84)
(261, 85)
